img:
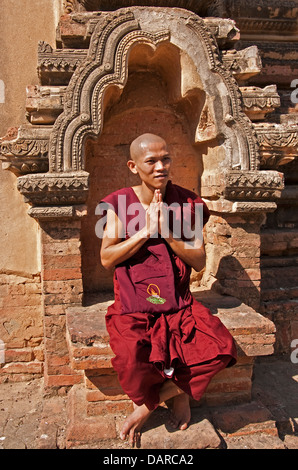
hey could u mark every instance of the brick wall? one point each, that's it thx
(62, 286)
(21, 327)
(233, 256)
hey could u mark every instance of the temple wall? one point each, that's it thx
(22, 25)
(252, 233)
(21, 29)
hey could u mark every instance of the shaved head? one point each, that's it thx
(139, 145)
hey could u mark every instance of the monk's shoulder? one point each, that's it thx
(184, 194)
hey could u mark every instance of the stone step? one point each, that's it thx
(88, 339)
(209, 428)
(90, 353)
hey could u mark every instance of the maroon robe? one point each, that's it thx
(157, 329)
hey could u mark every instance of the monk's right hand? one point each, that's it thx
(152, 216)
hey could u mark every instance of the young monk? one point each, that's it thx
(166, 344)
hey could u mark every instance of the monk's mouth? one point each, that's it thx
(161, 176)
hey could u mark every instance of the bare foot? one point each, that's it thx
(180, 415)
(134, 423)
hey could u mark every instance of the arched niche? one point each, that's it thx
(106, 69)
(150, 101)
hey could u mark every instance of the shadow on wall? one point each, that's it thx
(232, 279)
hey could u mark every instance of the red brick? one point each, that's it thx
(109, 407)
(61, 274)
(16, 289)
(93, 362)
(61, 261)
(69, 287)
(21, 300)
(229, 386)
(14, 355)
(33, 288)
(55, 309)
(24, 367)
(63, 248)
(58, 299)
(113, 395)
(62, 380)
(246, 419)
(80, 351)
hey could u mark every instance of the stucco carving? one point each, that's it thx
(278, 143)
(57, 66)
(227, 113)
(106, 64)
(260, 185)
(237, 185)
(54, 189)
(26, 151)
(258, 102)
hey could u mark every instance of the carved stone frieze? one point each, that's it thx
(243, 64)
(44, 103)
(278, 144)
(56, 66)
(252, 185)
(27, 152)
(235, 185)
(258, 102)
(57, 212)
(71, 5)
(55, 189)
(76, 30)
(270, 26)
(241, 207)
(193, 5)
(258, 17)
(224, 30)
(76, 111)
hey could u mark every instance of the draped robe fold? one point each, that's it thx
(157, 329)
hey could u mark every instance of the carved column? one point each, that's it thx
(238, 202)
(58, 205)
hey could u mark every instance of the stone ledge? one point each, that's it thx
(88, 340)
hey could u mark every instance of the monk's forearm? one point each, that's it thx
(114, 254)
(190, 254)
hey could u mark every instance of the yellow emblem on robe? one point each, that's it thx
(154, 292)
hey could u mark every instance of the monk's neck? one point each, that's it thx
(145, 193)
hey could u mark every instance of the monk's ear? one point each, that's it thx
(132, 166)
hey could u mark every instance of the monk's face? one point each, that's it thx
(153, 164)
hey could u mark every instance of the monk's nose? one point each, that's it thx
(159, 165)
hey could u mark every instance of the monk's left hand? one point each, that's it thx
(163, 227)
